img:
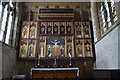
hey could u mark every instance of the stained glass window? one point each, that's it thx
(107, 15)
(7, 19)
(4, 19)
(1, 32)
(8, 29)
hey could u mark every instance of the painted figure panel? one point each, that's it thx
(25, 29)
(23, 48)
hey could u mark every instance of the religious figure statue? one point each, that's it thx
(42, 30)
(56, 46)
(25, 28)
(31, 49)
(42, 51)
(87, 48)
(62, 51)
(62, 29)
(79, 51)
(79, 48)
(23, 50)
(86, 30)
(49, 28)
(32, 32)
(69, 51)
(49, 51)
(68, 28)
(55, 29)
(78, 31)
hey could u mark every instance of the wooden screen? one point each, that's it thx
(56, 39)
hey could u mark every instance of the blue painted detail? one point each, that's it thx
(59, 39)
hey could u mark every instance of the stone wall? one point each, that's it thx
(0, 61)
(107, 51)
(81, 9)
(7, 61)
(119, 47)
(119, 35)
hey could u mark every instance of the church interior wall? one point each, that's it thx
(107, 56)
(9, 62)
(0, 61)
(107, 51)
(119, 47)
(81, 9)
(118, 35)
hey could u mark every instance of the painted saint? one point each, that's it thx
(79, 51)
(86, 31)
(31, 49)
(32, 32)
(79, 48)
(87, 50)
(55, 29)
(68, 29)
(49, 51)
(42, 29)
(62, 51)
(62, 29)
(23, 49)
(42, 51)
(25, 31)
(49, 28)
(78, 30)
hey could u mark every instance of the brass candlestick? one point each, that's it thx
(38, 63)
(70, 61)
(55, 61)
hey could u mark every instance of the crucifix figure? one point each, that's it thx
(55, 45)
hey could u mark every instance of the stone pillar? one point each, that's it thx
(0, 61)
(95, 23)
(118, 14)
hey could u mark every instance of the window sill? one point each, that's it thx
(5, 45)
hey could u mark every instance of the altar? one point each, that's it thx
(72, 72)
